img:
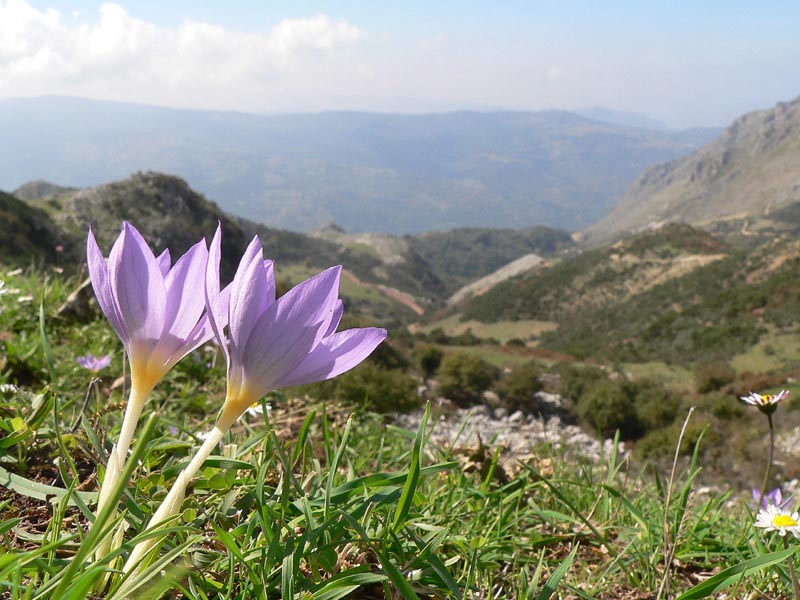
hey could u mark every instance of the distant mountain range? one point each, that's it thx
(366, 172)
(751, 169)
(621, 117)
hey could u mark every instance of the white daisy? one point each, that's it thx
(765, 402)
(777, 519)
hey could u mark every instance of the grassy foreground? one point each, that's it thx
(307, 500)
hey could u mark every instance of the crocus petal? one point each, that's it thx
(184, 304)
(213, 301)
(201, 333)
(293, 324)
(164, 262)
(139, 285)
(336, 318)
(274, 350)
(98, 273)
(249, 297)
(312, 302)
(335, 355)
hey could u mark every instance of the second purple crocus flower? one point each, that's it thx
(273, 343)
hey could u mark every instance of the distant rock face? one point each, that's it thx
(752, 168)
(512, 269)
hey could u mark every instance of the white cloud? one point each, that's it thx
(555, 73)
(118, 56)
(433, 43)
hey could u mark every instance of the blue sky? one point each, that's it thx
(686, 63)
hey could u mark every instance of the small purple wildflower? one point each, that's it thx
(774, 497)
(92, 363)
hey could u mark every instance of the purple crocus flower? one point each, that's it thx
(94, 363)
(279, 343)
(269, 344)
(156, 310)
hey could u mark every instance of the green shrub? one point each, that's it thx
(574, 381)
(377, 389)
(607, 407)
(465, 339)
(655, 406)
(713, 376)
(429, 358)
(387, 356)
(724, 406)
(518, 388)
(660, 444)
(464, 377)
(438, 336)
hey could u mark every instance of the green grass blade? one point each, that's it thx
(736, 573)
(303, 435)
(153, 571)
(41, 491)
(334, 467)
(552, 582)
(46, 345)
(99, 528)
(395, 576)
(407, 497)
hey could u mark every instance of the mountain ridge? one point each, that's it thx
(367, 171)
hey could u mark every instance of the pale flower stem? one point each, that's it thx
(172, 503)
(769, 464)
(116, 460)
(792, 573)
(129, 422)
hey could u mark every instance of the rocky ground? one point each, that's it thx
(478, 432)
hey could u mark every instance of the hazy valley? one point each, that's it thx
(366, 172)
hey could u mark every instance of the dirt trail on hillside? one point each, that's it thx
(395, 294)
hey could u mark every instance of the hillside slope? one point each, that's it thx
(751, 169)
(28, 235)
(466, 254)
(171, 214)
(677, 294)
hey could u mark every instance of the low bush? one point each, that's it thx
(375, 388)
(428, 358)
(655, 406)
(713, 376)
(464, 377)
(607, 407)
(517, 389)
